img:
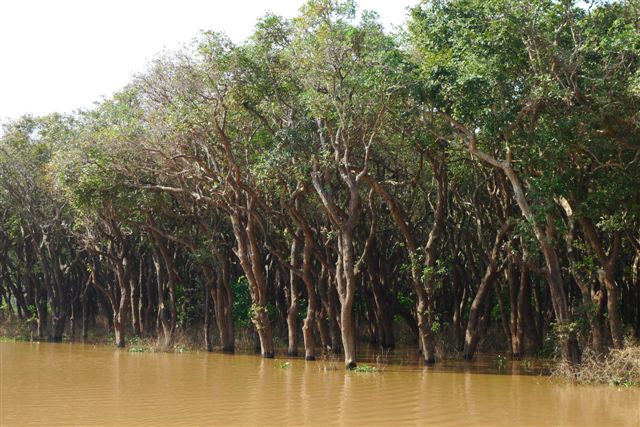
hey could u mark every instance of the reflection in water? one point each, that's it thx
(72, 384)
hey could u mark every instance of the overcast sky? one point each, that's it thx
(59, 55)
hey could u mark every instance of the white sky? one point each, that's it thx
(60, 55)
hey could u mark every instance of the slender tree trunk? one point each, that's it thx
(458, 305)
(135, 282)
(249, 256)
(225, 304)
(524, 309)
(330, 302)
(504, 316)
(425, 292)
(324, 317)
(83, 303)
(383, 326)
(346, 285)
(171, 282)
(42, 315)
(345, 266)
(606, 276)
(209, 292)
(569, 342)
(163, 314)
(636, 280)
(135, 307)
(148, 305)
(312, 305)
(292, 311)
(73, 321)
(120, 316)
(569, 345)
(515, 318)
(472, 330)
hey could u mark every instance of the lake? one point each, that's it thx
(82, 384)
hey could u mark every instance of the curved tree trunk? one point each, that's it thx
(570, 349)
(472, 330)
(425, 290)
(250, 260)
(345, 265)
(606, 276)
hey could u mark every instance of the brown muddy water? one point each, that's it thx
(76, 384)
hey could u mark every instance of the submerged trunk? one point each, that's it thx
(292, 311)
(307, 327)
(516, 319)
(326, 321)
(248, 254)
(472, 331)
(569, 345)
(120, 316)
(83, 304)
(224, 306)
(135, 301)
(606, 276)
(163, 313)
(424, 287)
(344, 223)
(346, 285)
(206, 328)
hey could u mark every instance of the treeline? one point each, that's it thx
(479, 168)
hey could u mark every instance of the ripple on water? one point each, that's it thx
(62, 384)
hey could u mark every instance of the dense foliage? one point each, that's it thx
(479, 170)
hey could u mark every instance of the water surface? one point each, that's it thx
(76, 384)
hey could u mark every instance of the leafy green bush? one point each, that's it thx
(241, 302)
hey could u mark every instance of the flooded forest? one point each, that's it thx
(467, 183)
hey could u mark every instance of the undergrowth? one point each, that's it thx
(617, 368)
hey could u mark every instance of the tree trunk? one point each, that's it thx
(504, 316)
(250, 260)
(292, 311)
(345, 273)
(424, 289)
(524, 310)
(170, 283)
(472, 331)
(459, 296)
(515, 316)
(569, 344)
(346, 285)
(83, 304)
(312, 305)
(224, 307)
(206, 325)
(135, 283)
(120, 316)
(606, 276)
(325, 319)
(163, 314)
